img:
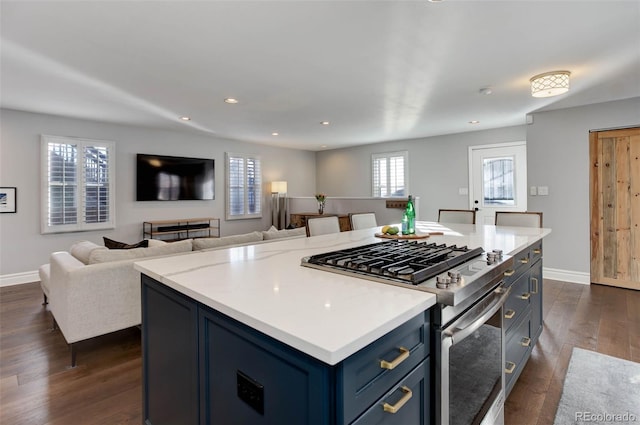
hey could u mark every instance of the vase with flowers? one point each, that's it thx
(321, 198)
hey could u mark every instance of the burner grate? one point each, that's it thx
(409, 261)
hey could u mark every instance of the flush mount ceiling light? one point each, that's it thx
(231, 100)
(324, 122)
(550, 84)
(185, 118)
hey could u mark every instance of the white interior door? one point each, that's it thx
(497, 179)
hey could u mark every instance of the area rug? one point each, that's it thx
(599, 389)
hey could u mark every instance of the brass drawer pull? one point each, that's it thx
(535, 280)
(406, 397)
(509, 273)
(524, 260)
(525, 341)
(525, 296)
(537, 251)
(404, 355)
(509, 314)
(510, 367)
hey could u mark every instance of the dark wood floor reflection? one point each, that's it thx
(38, 387)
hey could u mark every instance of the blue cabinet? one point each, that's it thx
(522, 311)
(202, 367)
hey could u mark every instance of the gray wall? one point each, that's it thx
(24, 249)
(557, 157)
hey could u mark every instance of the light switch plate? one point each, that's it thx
(533, 191)
(463, 191)
(543, 190)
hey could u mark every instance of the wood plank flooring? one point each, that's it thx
(38, 387)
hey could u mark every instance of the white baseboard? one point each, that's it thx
(19, 278)
(566, 275)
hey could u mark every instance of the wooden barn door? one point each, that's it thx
(615, 207)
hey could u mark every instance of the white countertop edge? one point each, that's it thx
(326, 356)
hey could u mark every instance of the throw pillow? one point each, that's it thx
(111, 244)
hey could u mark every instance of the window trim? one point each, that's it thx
(245, 215)
(387, 156)
(80, 226)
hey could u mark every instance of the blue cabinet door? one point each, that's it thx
(249, 378)
(169, 356)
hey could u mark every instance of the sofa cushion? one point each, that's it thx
(156, 242)
(111, 244)
(82, 250)
(274, 233)
(107, 255)
(206, 243)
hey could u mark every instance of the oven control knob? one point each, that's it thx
(491, 257)
(443, 281)
(454, 275)
(498, 252)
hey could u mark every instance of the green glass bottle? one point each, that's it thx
(410, 212)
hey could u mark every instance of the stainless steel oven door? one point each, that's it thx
(470, 373)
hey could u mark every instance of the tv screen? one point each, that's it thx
(172, 178)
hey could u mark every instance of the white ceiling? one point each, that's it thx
(377, 70)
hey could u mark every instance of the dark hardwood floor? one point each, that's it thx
(38, 387)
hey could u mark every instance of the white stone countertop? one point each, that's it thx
(325, 315)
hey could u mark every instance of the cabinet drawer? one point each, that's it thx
(367, 375)
(406, 403)
(517, 302)
(517, 345)
(535, 252)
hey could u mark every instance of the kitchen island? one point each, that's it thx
(247, 335)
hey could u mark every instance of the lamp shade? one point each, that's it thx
(550, 84)
(278, 187)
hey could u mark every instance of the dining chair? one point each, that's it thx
(362, 220)
(322, 225)
(519, 218)
(456, 216)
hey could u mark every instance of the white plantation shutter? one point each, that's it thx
(390, 174)
(77, 192)
(244, 186)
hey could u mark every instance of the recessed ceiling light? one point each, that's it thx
(185, 118)
(474, 122)
(323, 146)
(324, 122)
(486, 91)
(274, 133)
(231, 100)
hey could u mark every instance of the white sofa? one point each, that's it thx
(94, 291)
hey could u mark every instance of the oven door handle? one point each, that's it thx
(457, 334)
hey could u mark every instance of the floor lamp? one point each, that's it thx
(279, 204)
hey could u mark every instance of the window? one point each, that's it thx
(244, 186)
(390, 174)
(498, 181)
(77, 189)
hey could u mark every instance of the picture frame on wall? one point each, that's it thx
(8, 199)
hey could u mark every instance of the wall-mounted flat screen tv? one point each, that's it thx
(173, 178)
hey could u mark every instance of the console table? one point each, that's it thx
(300, 220)
(179, 229)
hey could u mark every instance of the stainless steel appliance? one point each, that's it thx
(469, 334)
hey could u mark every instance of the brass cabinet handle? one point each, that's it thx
(535, 280)
(510, 367)
(525, 296)
(537, 251)
(524, 260)
(404, 355)
(406, 397)
(509, 314)
(509, 273)
(525, 341)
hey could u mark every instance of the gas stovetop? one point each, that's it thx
(453, 273)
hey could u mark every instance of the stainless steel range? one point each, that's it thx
(467, 319)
